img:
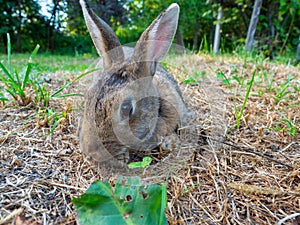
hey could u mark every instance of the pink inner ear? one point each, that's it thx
(162, 39)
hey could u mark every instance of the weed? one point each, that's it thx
(296, 89)
(269, 80)
(31, 89)
(14, 83)
(282, 90)
(2, 97)
(142, 164)
(196, 78)
(224, 78)
(292, 129)
(52, 118)
(239, 114)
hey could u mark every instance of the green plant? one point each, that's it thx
(2, 97)
(227, 80)
(43, 96)
(142, 164)
(292, 129)
(30, 88)
(52, 117)
(128, 201)
(269, 80)
(22, 86)
(15, 83)
(239, 113)
(224, 78)
(297, 89)
(205, 46)
(282, 90)
(195, 78)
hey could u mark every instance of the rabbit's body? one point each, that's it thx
(134, 102)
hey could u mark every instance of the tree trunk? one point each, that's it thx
(253, 24)
(51, 27)
(298, 52)
(271, 31)
(216, 47)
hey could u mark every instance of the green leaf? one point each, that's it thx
(2, 98)
(7, 73)
(29, 66)
(8, 52)
(190, 81)
(221, 75)
(146, 162)
(68, 95)
(126, 202)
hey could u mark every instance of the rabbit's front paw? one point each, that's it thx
(170, 142)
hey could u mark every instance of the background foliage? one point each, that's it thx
(62, 29)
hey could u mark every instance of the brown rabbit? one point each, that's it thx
(134, 102)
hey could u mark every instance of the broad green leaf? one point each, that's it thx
(126, 202)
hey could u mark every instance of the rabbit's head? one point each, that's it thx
(122, 106)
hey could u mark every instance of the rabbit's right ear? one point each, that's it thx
(105, 40)
(156, 40)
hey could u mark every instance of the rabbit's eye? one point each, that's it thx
(127, 109)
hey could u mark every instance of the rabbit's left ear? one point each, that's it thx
(106, 42)
(156, 40)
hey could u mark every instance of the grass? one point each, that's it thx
(14, 82)
(47, 63)
(257, 99)
(26, 81)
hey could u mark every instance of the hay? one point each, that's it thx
(219, 175)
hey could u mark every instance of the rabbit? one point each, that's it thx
(134, 103)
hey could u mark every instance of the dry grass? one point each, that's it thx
(219, 175)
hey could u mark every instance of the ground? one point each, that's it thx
(238, 162)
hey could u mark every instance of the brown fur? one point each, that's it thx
(134, 102)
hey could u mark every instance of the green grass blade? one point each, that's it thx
(53, 95)
(12, 86)
(247, 93)
(68, 95)
(18, 81)
(29, 66)
(55, 124)
(7, 73)
(8, 52)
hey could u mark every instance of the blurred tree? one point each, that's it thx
(253, 24)
(278, 27)
(111, 11)
(217, 38)
(16, 17)
(63, 30)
